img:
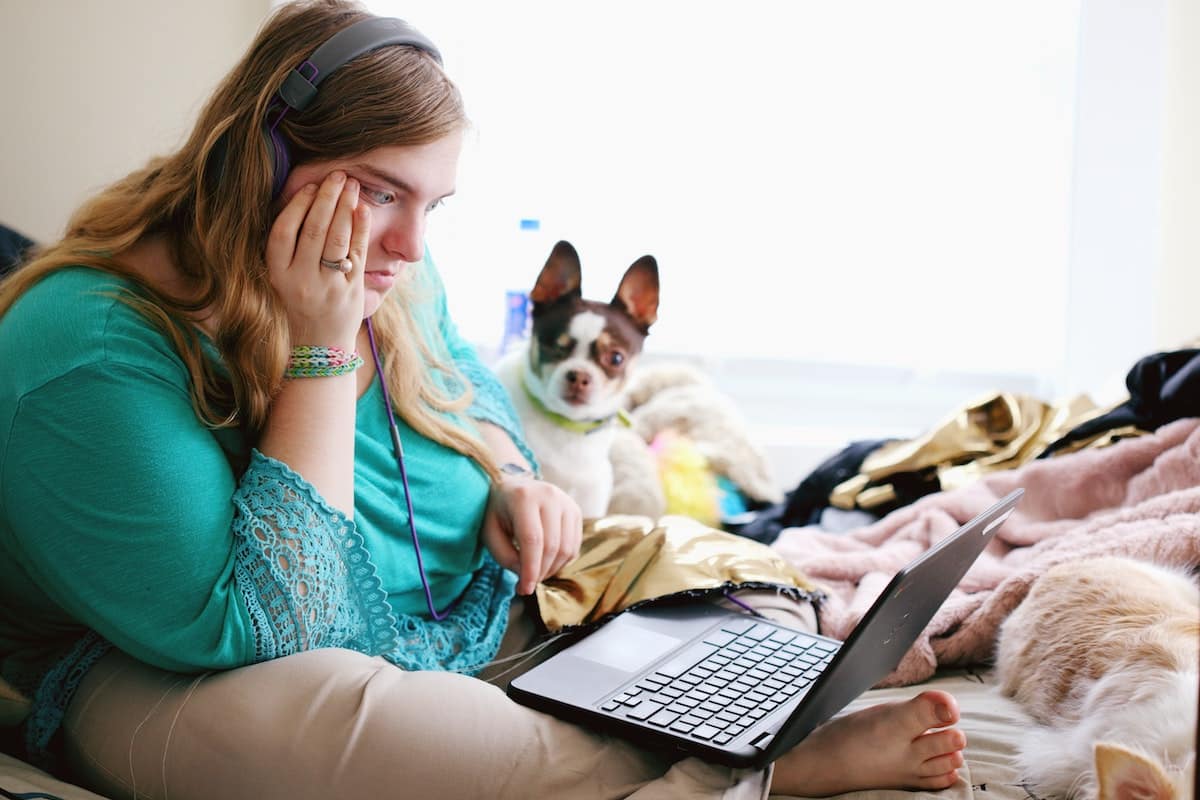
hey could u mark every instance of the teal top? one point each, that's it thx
(125, 520)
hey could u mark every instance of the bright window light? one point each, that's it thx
(862, 182)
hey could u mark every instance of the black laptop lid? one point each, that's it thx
(892, 624)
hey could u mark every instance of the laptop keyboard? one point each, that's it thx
(716, 688)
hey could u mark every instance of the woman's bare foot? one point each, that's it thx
(888, 746)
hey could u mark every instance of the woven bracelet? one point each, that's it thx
(310, 361)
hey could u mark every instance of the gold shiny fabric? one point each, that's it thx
(628, 560)
(995, 432)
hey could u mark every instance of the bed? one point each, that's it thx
(1139, 497)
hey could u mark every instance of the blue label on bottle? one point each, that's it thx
(516, 319)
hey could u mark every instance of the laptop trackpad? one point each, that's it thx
(629, 651)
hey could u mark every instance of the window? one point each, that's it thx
(852, 182)
(864, 212)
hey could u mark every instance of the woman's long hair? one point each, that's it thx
(211, 203)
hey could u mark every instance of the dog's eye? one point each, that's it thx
(616, 358)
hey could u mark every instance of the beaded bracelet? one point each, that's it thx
(310, 361)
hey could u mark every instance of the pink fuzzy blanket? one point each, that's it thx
(1139, 498)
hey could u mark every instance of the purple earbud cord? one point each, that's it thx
(399, 451)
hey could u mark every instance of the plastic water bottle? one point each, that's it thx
(532, 252)
(516, 319)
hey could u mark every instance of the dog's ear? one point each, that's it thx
(559, 278)
(638, 292)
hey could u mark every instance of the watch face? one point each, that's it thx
(514, 469)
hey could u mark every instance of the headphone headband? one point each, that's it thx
(298, 88)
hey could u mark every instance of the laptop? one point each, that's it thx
(736, 688)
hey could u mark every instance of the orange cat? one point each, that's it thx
(1103, 655)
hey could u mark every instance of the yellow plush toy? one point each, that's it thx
(688, 482)
(689, 451)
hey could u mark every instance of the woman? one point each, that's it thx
(215, 555)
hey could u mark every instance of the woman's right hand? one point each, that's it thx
(324, 306)
(312, 421)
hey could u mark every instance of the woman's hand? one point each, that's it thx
(324, 305)
(532, 528)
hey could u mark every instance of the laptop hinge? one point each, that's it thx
(763, 739)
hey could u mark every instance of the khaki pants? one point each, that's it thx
(337, 724)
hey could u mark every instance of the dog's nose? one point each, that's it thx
(578, 380)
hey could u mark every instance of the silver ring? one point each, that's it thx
(342, 265)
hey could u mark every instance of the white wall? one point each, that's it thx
(1135, 249)
(93, 88)
(1177, 288)
(1116, 202)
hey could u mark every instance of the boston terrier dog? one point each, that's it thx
(566, 381)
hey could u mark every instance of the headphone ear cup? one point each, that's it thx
(280, 161)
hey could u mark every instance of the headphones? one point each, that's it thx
(300, 86)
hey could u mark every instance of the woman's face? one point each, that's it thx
(400, 185)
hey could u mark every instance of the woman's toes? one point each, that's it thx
(933, 709)
(940, 765)
(938, 743)
(936, 782)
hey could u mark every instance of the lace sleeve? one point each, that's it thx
(302, 569)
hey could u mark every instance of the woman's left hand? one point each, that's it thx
(532, 528)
